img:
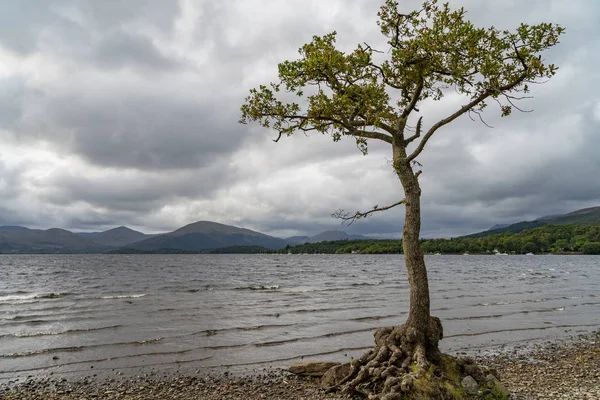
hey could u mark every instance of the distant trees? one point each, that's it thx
(347, 247)
(591, 248)
(545, 239)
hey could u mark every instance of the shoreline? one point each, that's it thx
(561, 369)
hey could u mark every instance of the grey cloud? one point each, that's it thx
(133, 192)
(147, 131)
(20, 22)
(12, 97)
(71, 28)
(123, 49)
(124, 103)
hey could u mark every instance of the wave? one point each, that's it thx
(374, 317)
(124, 296)
(542, 300)
(301, 291)
(258, 287)
(55, 333)
(367, 283)
(212, 332)
(533, 328)
(23, 317)
(81, 348)
(506, 303)
(31, 296)
(312, 338)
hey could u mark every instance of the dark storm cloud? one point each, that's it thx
(123, 49)
(154, 131)
(26, 24)
(132, 107)
(132, 192)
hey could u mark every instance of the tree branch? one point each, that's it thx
(351, 218)
(350, 126)
(417, 133)
(415, 98)
(384, 77)
(462, 110)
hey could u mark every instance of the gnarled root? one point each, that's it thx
(406, 364)
(402, 355)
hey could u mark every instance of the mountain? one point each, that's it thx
(329, 236)
(117, 237)
(208, 235)
(18, 239)
(586, 216)
(296, 240)
(514, 228)
(498, 226)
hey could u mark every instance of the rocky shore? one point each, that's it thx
(559, 370)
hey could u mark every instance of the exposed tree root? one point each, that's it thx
(405, 365)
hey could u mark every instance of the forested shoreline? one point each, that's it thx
(548, 239)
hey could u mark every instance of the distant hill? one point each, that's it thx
(117, 237)
(296, 240)
(586, 216)
(196, 237)
(498, 226)
(208, 235)
(18, 239)
(514, 228)
(219, 250)
(329, 236)
(326, 236)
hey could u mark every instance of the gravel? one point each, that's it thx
(559, 370)
(554, 370)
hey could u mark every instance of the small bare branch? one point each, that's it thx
(478, 113)
(368, 47)
(351, 218)
(417, 133)
(510, 100)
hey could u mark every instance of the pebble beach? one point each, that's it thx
(552, 370)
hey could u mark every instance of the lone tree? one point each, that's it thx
(433, 51)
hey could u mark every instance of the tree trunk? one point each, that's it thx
(388, 370)
(421, 329)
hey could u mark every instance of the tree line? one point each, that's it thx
(556, 239)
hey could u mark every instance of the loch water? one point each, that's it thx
(69, 315)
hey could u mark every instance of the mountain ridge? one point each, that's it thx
(203, 235)
(119, 236)
(584, 216)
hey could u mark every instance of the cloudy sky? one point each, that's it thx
(125, 113)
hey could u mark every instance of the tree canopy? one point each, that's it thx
(433, 51)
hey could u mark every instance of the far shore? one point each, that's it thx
(565, 369)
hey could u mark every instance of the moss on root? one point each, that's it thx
(402, 366)
(444, 381)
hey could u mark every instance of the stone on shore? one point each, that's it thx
(335, 375)
(308, 368)
(470, 385)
